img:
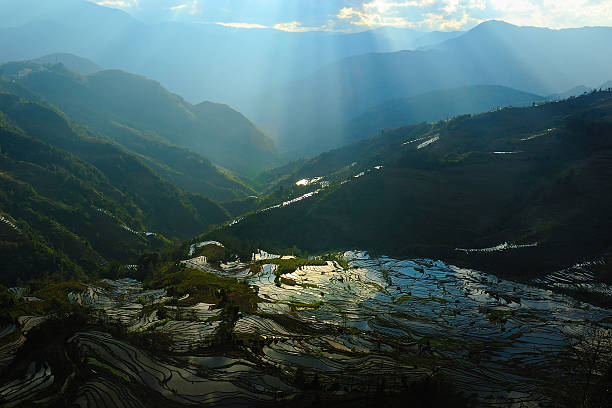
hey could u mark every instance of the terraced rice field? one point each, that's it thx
(401, 319)
(374, 327)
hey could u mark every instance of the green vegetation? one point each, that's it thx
(146, 119)
(295, 305)
(162, 311)
(338, 258)
(495, 315)
(59, 291)
(204, 287)
(285, 266)
(214, 254)
(77, 203)
(53, 299)
(110, 369)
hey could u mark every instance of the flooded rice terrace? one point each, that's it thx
(373, 327)
(403, 319)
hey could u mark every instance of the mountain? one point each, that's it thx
(537, 177)
(74, 63)
(575, 91)
(148, 120)
(197, 61)
(71, 203)
(435, 105)
(529, 59)
(606, 85)
(398, 39)
(15, 14)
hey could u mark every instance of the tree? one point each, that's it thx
(591, 355)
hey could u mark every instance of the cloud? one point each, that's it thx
(444, 23)
(192, 8)
(422, 14)
(117, 3)
(554, 14)
(292, 26)
(357, 15)
(297, 27)
(385, 6)
(367, 19)
(463, 14)
(241, 25)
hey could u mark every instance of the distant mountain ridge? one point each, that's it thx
(528, 59)
(578, 90)
(74, 63)
(575, 91)
(605, 86)
(141, 115)
(181, 55)
(435, 105)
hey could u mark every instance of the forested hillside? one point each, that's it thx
(146, 119)
(73, 202)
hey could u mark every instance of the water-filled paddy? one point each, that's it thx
(374, 327)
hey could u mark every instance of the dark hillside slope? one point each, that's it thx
(79, 200)
(539, 175)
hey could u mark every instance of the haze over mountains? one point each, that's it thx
(115, 102)
(535, 60)
(198, 61)
(314, 84)
(227, 214)
(74, 63)
(433, 106)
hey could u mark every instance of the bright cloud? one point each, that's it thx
(372, 19)
(117, 3)
(355, 15)
(190, 7)
(292, 26)
(422, 14)
(462, 14)
(555, 14)
(242, 25)
(296, 27)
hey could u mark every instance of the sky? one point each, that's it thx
(359, 15)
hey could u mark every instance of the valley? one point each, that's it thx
(418, 191)
(217, 320)
(309, 204)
